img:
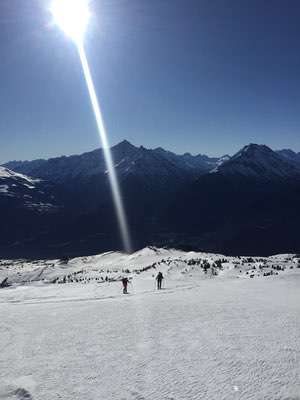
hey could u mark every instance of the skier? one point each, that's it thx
(159, 279)
(4, 284)
(125, 282)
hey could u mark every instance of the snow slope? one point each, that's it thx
(225, 336)
(6, 173)
(105, 271)
(24, 191)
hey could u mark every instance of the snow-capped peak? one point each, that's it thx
(258, 161)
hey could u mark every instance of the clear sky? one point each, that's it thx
(204, 76)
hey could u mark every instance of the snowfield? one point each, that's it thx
(221, 328)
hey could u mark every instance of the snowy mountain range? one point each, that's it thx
(247, 203)
(129, 160)
(253, 160)
(250, 203)
(84, 177)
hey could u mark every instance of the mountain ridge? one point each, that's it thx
(247, 203)
(259, 162)
(125, 156)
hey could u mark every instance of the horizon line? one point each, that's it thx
(141, 146)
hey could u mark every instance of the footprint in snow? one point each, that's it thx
(18, 394)
(23, 394)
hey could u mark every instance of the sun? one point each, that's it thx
(72, 16)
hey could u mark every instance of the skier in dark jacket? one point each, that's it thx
(159, 279)
(125, 282)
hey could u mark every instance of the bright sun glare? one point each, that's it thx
(72, 16)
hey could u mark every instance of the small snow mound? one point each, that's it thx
(147, 251)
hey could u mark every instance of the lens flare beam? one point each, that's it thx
(106, 150)
(73, 17)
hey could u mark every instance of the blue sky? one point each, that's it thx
(204, 76)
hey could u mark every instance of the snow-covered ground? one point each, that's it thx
(232, 332)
